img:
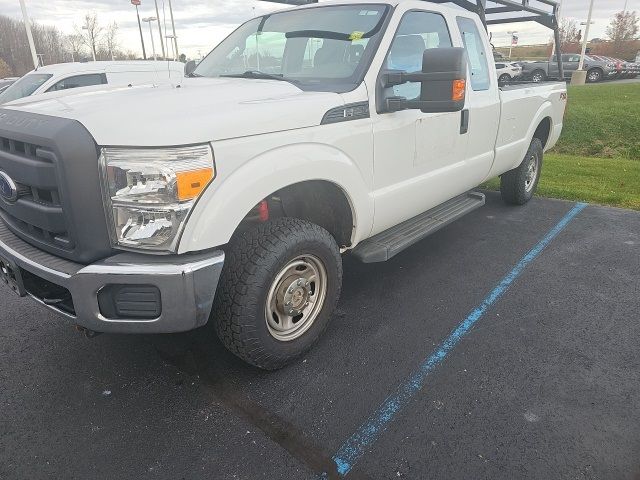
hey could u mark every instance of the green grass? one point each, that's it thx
(602, 121)
(614, 182)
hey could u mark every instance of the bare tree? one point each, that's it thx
(74, 44)
(91, 33)
(569, 32)
(111, 39)
(623, 27)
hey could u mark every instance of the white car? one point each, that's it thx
(360, 126)
(507, 71)
(57, 80)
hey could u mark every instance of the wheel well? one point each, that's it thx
(317, 201)
(543, 131)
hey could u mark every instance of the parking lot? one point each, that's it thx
(545, 383)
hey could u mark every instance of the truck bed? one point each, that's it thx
(524, 106)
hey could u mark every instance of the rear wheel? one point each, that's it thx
(538, 76)
(280, 284)
(517, 186)
(594, 75)
(504, 78)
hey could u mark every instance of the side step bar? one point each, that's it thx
(389, 243)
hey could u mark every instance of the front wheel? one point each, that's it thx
(280, 284)
(517, 186)
(504, 79)
(594, 75)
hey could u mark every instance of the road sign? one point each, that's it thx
(136, 2)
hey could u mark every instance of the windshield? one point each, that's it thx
(24, 87)
(321, 48)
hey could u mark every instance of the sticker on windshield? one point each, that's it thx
(356, 35)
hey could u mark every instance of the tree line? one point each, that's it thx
(90, 39)
(622, 32)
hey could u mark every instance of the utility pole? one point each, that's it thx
(586, 37)
(136, 3)
(27, 26)
(173, 26)
(160, 29)
(153, 43)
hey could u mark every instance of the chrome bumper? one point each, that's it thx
(187, 285)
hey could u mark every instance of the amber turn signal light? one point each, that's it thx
(191, 184)
(458, 90)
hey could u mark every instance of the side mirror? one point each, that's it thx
(443, 82)
(189, 68)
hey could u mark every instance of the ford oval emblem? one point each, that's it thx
(8, 188)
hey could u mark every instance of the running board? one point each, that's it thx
(389, 243)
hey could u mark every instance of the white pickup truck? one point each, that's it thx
(355, 126)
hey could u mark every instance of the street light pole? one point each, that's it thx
(136, 3)
(586, 37)
(511, 34)
(153, 43)
(173, 26)
(27, 26)
(160, 29)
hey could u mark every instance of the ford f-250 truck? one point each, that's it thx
(349, 126)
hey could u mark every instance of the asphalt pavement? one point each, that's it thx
(544, 384)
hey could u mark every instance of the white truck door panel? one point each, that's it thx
(416, 154)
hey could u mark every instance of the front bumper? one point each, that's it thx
(186, 285)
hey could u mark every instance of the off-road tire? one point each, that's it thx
(513, 184)
(252, 262)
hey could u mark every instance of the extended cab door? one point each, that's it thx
(424, 159)
(412, 150)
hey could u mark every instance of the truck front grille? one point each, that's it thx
(37, 214)
(50, 185)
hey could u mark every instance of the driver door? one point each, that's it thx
(414, 152)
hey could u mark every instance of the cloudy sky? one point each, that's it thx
(201, 24)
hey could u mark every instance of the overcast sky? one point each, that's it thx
(201, 24)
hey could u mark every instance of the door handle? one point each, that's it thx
(464, 121)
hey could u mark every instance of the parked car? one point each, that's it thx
(6, 83)
(230, 198)
(597, 70)
(508, 71)
(62, 77)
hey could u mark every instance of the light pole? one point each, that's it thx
(579, 77)
(585, 40)
(27, 26)
(173, 26)
(160, 29)
(153, 43)
(136, 3)
(93, 45)
(512, 34)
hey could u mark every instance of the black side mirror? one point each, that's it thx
(443, 82)
(189, 68)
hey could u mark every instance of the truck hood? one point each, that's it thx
(197, 111)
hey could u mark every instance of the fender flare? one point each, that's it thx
(224, 204)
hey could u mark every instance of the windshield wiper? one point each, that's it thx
(259, 75)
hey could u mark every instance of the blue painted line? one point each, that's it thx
(356, 446)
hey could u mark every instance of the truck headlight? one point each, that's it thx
(149, 192)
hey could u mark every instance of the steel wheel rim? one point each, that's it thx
(537, 77)
(594, 76)
(296, 297)
(532, 173)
